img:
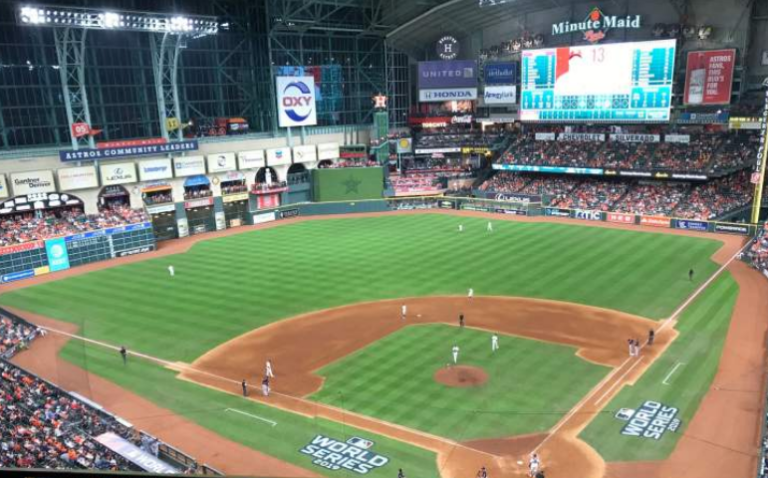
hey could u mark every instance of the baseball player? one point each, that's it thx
(494, 343)
(269, 369)
(690, 275)
(461, 227)
(171, 271)
(483, 473)
(124, 354)
(404, 311)
(461, 320)
(651, 336)
(455, 352)
(471, 293)
(534, 464)
(265, 387)
(489, 228)
(245, 388)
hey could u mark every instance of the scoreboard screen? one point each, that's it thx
(629, 82)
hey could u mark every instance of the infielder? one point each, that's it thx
(490, 227)
(494, 343)
(269, 369)
(455, 352)
(534, 464)
(404, 311)
(471, 293)
(171, 271)
(265, 386)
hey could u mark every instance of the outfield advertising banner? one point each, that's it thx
(118, 173)
(511, 212)
(222, 162)
(447, 74)
(691, 225)
(296, 104)
(500, 95)
(126, 151)
(251, 159)
(327, 151)
(3, 187)
(189, 166)
(620, 218)
(742, 229)
(278, 156)
(655, 221)
(557, 212)
(447, 94)
(72, 179)
(56, 250)
(31, 182)
(155, 169)
(305, 154)
(587, 215)
(501, 73)
(709, 77)
(523, 198)
(548, 169)
(287, 213)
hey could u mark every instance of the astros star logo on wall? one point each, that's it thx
(352, 185)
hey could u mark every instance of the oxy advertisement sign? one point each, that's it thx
(296, 101)
(72, 179)
(355, 454)
(221, 162)
(651, 420)
(447, 94)
(327, 151)
(500, 95)
(189, 166)
(305, 154)
(118, 173)
(31, 182)
(278, 156)
(447, 74)
(587, 215)
(56, 250)
(692, 225)
(155, 169)
(501, 73)
(251, 159)
(3, 187)
(709, 77)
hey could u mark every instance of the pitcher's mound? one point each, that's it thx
(461, 376)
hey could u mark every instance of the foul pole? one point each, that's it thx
(758, 177)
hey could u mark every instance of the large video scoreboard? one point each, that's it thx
(624, 82)
(35, 258)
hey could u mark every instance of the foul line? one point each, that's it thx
(663, 326)
(618, 381)
(256, 417)
(664, 382)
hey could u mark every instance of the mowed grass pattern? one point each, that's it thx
(228, 286)
(703, 328)
(531, 384)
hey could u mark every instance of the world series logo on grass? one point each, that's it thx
(353, 455)
(652, 420)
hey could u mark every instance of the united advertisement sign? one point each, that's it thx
(447, 74)
(296, 104)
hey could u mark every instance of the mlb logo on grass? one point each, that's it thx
(353, 455)
(360, 442)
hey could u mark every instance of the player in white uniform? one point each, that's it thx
(455, 352)
(471, 293)
(404, 311)
(269, 372)
(171, 271)
(494, 343)
(461, 227)
(534, 464)
(490, 227)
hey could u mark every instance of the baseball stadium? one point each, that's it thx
(385, 238)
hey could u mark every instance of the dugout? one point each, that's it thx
(234, 196)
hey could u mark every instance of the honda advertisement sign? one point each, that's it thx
(447, 74)
(500, 95)
(709, 77)
(501, 73)
(447, 94)
(296, 101)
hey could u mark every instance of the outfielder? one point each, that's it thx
(171, 271)
(455, 352)
(494, 343)
(269, 369)
(490, 227)
(461, 227)
(471, 293)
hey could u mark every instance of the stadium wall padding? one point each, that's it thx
(347, 184)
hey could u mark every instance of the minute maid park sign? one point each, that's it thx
(596, 25)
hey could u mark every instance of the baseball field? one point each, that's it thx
(322, 299)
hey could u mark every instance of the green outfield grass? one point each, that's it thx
(531, 384)
(228, 286)
(703, 327)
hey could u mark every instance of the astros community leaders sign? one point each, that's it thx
(354, 455)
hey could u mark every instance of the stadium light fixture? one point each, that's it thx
(95, 19)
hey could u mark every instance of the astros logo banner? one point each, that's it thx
(296, 101)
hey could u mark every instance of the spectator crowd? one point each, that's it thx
(40, 225)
